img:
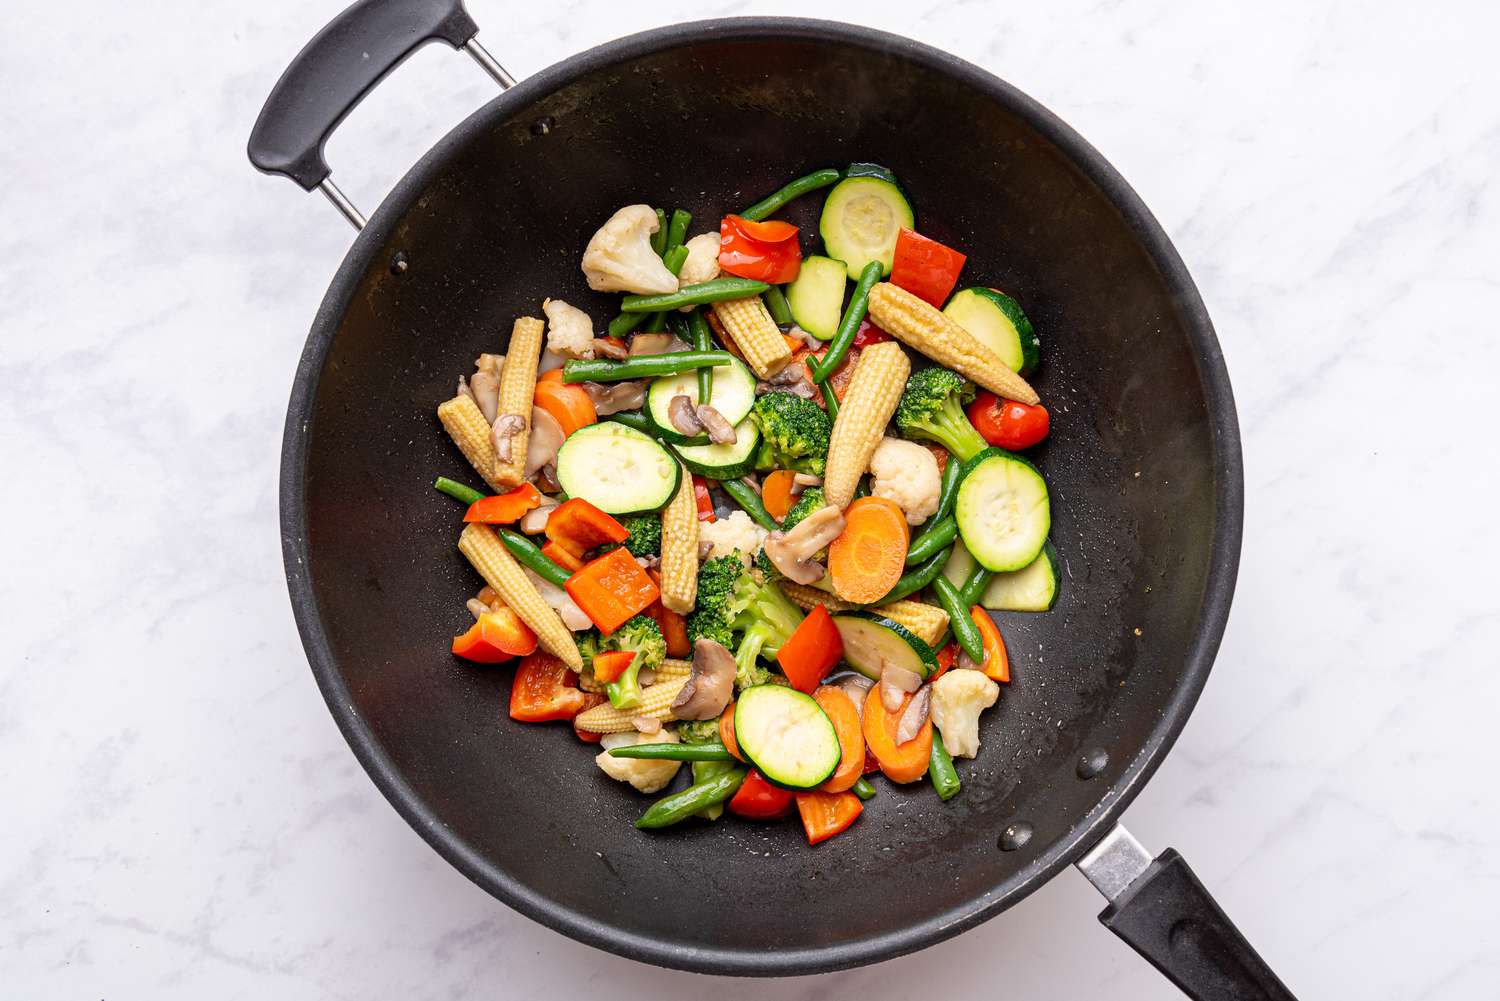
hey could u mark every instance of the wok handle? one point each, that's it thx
(334, 72)
(1160, 908)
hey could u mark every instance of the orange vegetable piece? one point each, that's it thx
(703, 499)
(825, 814)
(940, 454)
(590, 700)
(840, 709)
(540, 691)
(946, 658)
(562, 556)
(496, 637)
(811, 651)
(726, 732)
(869, 555)
(611, 589)
(900, 762)
(610, 664)
(996, 660)
(580, 526)
(503, 509)
(569, 405)
(776, 493)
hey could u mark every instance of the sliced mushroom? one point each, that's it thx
(648, 562)
(720, 431)
(610, 349)
(895, 684)
(615, 397)
(655, 344)
(504, 430)
(789, 375)
(647, 677)
(711, 685)
(812, 342)
(549, 360)
(705, 549)
(646, 724)
(683, 416)
(464, 390)
(856, 686)
(562, 603)
(485, 384)
(915, 715)
(801, 481)
(793, 552)
(477, 608)
(546, 480)
(535, 520)
(542, 444)
(966, 663)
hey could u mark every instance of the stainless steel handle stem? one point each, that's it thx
(1114, 863)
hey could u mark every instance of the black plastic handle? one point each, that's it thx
(334, 72)
(1167, 916)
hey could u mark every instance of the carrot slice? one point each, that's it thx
(776, 493)
(726, 732)
(996, 660)
(570, 405)
(869, 555)
(825, 814)
(839, 707)
(900, 762)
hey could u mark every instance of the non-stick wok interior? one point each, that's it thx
(711, 126)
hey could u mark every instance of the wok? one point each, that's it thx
(1143, 464)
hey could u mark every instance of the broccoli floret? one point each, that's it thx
(810, 501)
(731, 601)
(698, 731)
(794, 433)
(642, 636)
(933, 408)
(645, 534)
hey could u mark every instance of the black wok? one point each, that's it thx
(1143, 464)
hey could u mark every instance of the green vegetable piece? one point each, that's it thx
(637, 421)
(940, 769)
(458, 491)
(776, 305)
(918, 577)
(702, 339)
(731, 602)
(642, 366)
(796, 189)
(698, 731)
(674, 752)
(863, 789)
(527, 553)
(794, 433)
(745, 496)
(677, 231)
(932, 409)
(854, 315)
(659, 238)
(938, 535)
(679, 806)
(642, 636)
(694, 295)
(964, 629)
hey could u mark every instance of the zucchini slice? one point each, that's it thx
(617, 469)
(816, 296)
(862, 217)
(960, 564)
(999, 323)
(1033, 588)
(733, 396)
(786, 736)
(1002, 509)
(724, 462)
(871, 641)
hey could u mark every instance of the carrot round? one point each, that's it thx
(569, 405)
(835, 702)
(776, 493)
(900, 762)
(726, 732)
(869, 556)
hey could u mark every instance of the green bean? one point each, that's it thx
(681, 805)
(937, 535)
(716, 290)
(458, 491)
(704, 771)
(831, 400)
(527, 553)
(940, 769)
(625, 323)
(953, 474)
(659, 238)
(965, 632)
(641, 366)
(677, 229)
(746, 497)
(801, 186)
(702, 340)
(863, 789)
(973, 586)
(673, 752)
(674, 259)
(640, 422)
(859, 303)
(776, 305)
(917, 577)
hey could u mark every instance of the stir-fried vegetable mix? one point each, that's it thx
(757, 521)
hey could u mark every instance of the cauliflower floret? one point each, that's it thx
(702, 262)
(907, 473)
(646, 775)
(619, 258)
(958, 697)
(735, 534)
(570, 332)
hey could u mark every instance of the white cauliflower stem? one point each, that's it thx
(702, 262)
(647, 776)
(619, 258)
(907, 473)
(958, 698)
(735, 534)
(570, 332)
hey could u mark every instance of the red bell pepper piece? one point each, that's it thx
(610, 664)
(825, 814)
(742, 253)
(947, 657)
(590, 700)
(704, 499)
(495, 638)
(925, 268)
(811, 651)
(673, 626)
(540, 691)
(766, 231)
(579, 526)
(563, 556)
(1008, 423)
(611, 589)
(869, 333)
(758, 799)
(502, 509)
(996, 660)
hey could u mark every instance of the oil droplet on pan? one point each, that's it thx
(543, 125)
(1015, 836)
(1092, 762)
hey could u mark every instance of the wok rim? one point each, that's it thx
(1087, 830)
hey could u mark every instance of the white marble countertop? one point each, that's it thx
(181, 818)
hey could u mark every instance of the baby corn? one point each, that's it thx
(469, 430)
(671, 669)
(483, 549)
(656, 703)
(927, 622)
(874, 390)
(925, 328)
(517, 386)
(679, 549)
(750, 326)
